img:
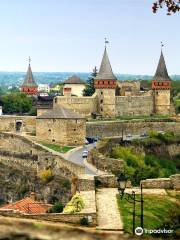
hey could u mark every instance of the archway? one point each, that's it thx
(18, 125)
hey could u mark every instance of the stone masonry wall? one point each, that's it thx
(134, 105)
(104, 163)
(82, 105)
(173, 182)
(18, 149)
(8, 123)
(53, 217)
(114, 128)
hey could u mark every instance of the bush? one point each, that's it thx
(57, 208)
(84, 221)
(46, 175)
(76, 204)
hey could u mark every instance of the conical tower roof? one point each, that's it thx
(105, 72)
(161, 72)
(29, 79)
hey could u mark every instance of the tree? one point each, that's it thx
(16, 103)
(172, 6)
(89, 90)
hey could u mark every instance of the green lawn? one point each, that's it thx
(156, 210)
(57, 148)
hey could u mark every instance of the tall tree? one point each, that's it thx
(16, 103)
(172, 6)
(89, 90)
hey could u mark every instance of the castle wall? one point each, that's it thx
(133, 85)
(61, 131)
(115, 128)
(82, 105)
(8, 123)
(134, 105)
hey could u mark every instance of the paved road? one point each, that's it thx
(75, 156)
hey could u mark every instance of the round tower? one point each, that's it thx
(161, 86)
(105, 86)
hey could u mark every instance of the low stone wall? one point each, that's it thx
(173, 182)
(104, 129)
(86, 183)
(18, 149)
(106, 181)
(104, 163)
(54, 217)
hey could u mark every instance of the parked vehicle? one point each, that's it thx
(144, 135)
(129, 135)
(85, 154)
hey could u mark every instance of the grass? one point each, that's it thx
(57, 148)
(156, 210)
(154, 117)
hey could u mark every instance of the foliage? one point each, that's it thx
(57, 208)
(33, 111)
(172, 6)
(66, 184)
(156, 211)
(16, 103)
(139, 166)
(46, 175)
(76, 204)
(57, 148)
(89, 90)
(84, 221)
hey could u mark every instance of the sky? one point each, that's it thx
(68, 35)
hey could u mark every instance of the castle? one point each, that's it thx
(121, 98)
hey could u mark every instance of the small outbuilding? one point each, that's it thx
(61, 126)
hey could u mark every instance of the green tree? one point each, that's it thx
(89, 90)
(172, 6)
(16, 103)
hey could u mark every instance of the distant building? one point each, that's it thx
(29, 85)
(44, 88)
(74, 86)
(61, 126)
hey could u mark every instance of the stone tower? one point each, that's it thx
(161, 86)
(29, 85)
(105, 85)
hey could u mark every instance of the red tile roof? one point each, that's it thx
(27, 205)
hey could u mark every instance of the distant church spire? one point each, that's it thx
(29, 79)
(105, 71)
(161, 72)
(29, 85)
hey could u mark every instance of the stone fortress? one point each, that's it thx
(64, 122)
(122, 98)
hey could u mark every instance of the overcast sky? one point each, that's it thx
(68, 35)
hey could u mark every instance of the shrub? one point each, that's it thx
(84, 221)
(57, 208)
(46, 175)
(76, 204)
